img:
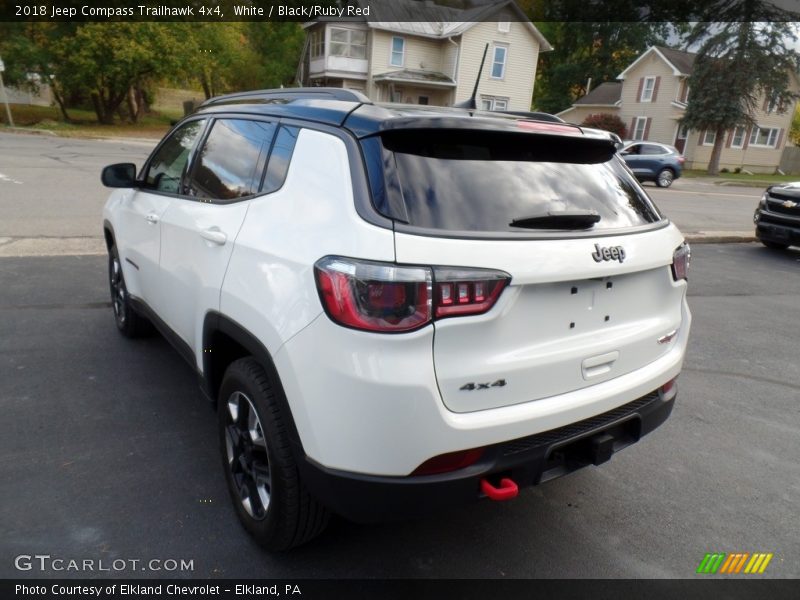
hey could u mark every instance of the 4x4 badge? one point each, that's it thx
(612, 253)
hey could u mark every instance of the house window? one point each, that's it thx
(737, 141)
(317, 43)
(491, 103)
(504, 26)
(397, 95)
(772, 105)
(766, 137)
(709, 137)
(639, 126)
(349, 43)
(423, 100)
(647, 89)
(499, 62)
(398, 52)
(683, 91)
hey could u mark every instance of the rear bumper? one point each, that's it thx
(527, 461)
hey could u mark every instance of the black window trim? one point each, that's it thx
(255, 178)
(141, 180)
(210, 120)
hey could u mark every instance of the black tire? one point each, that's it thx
(665, 178)
(129, 322)
(774, 245)
(263, 480)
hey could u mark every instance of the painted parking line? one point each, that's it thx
(50, 246)
(7, 179)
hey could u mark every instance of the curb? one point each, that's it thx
(720, 237)
(28, 130)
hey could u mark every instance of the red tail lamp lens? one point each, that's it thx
(461, 292)
(386, 297)
(374, 296)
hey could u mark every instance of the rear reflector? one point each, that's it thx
(452, 461)
(669, 390)
(386, 297)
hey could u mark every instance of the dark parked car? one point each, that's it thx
(777, 216)
(650, 161)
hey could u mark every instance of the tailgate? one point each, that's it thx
(565, 322)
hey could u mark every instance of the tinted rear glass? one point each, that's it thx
(474, 181)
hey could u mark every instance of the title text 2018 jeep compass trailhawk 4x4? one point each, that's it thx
(399, 308)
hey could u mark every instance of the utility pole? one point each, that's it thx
(5, 96)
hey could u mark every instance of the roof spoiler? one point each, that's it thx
(290, 94)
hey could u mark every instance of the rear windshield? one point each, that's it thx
(481, 182)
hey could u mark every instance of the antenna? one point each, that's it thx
(470, 103)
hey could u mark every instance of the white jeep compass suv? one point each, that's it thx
(398, 308)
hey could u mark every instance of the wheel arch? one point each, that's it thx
(225, 341)
(108, 234)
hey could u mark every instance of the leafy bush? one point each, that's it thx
(606, 122)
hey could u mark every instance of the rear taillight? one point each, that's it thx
(681, 160)
(460, 292)
(385, 297)
(681, 259)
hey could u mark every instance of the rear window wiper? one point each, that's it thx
(563, 219)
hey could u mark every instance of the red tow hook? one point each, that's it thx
(507, 490)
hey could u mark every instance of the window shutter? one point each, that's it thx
(647, 128)
(655, 88)
(639, 92)
(780, 138)
(730, 139)
(746, 138)
(632, 132)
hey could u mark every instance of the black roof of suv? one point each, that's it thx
(355, 112)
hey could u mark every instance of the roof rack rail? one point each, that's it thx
(536, 116)
(289, 94)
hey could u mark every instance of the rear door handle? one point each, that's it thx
(214, 235)
(151, 218)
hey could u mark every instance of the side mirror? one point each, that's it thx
(120, 175)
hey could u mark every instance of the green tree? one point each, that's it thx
(599, 51)
(794, 133)
(107, 60)
(29, 51)
(743, 59)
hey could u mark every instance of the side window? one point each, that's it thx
(233, 154)
(652, 149)
(279, 158)
(168, 164)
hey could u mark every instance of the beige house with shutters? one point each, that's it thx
(396, 56)
(650, 97)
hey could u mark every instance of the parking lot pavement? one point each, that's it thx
(108, 453)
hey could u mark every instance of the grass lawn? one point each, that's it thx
(84, 123)
(756, 179)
